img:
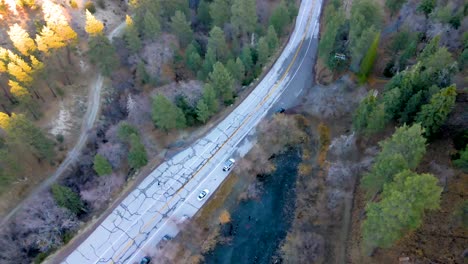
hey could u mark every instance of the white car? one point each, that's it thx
(228, 164)
(203, 194)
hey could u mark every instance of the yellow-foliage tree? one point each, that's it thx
(93, 26)
(19, 69)
(26, 3)
(21, 40)
(56, 21)
(48, 40)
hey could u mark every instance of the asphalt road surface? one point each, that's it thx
(169, 194)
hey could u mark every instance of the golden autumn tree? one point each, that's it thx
(20, 70)
(56, 34)
(24, 97)
(4, 69)
(21, 40)
(93, 26)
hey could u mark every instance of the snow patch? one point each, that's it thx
(62, 125)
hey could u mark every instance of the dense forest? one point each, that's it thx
(418, 85)
(177, 64)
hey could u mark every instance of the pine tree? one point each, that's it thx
(21, 40)
(101, 165)
(151, 26)
(280, 18)
(394, 5)
(368, 60)
(203, 112)
(222, 82)
(263, 51)
(181, 28)
(65, 197)
(166, 115)
(217, 43)
(335, 19)
(434, 114)
(246, 57)
(365, 19)
(102, 53)
(193, 60)
(272, 39)
(244, 16)
(203, 13)
(137, 156)
(401, 209)
(462, 161)
(220, 12)
(209, 98)
(207, 66)
(132, 36)
(236, 68)
(93, 26)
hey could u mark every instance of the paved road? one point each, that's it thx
(94, 98)
(170, 192)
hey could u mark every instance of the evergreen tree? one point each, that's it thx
(394, 5)
(272, 39)
(203, 112)
(102, 53)
(434, 114)
(263, 51)
(369, 116)
(203, 13)
(220, 12)
(137, 156)
(125, 130)
(132, 36)
(280, 18)
(20, 129)
(335, 19)
(193, 59)
(236, 68)
(101, 165)
(209, 98)
(222, 82)
(217, 43)
(151, 25)
(244, 16)
(207, 66)
(368, 61)
(365, 19)
(401, 209)
(181, 28)
(462, 161)
(427, 6)
(407, 141)
(142, 76)
(246, 57)
(65, 197)
(166, 115)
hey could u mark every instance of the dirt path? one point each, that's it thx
(89, 118)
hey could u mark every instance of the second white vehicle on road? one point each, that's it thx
(228, 164)
(203, 194)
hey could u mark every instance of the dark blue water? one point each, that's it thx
(258, 226)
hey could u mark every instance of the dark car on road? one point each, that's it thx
(145, 260)
(280, 110)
